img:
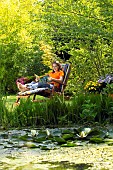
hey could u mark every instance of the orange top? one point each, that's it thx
(56, 75)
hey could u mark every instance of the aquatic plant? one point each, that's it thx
(82, 108)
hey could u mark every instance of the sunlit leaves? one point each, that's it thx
(47, 53)
(21, 31)
(82, 29)
(32, 31)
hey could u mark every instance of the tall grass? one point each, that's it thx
(4, 112)
(56, 111)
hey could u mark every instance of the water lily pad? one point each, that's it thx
(4, 135)
(8, 146)
(96, 140)
(109, 141)
(44, 148)
(88, 133)
(43, 132)
(69, 144)
(19, 146)
(10, 142)
(110, 135)
(59, 140)
(56, 132)
(68, 136)
(67, 131)
(39, 139)
(24, 137)
(96, 133)
(110, 144)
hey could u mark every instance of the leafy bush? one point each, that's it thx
(109, 89)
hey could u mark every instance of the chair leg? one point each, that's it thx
(18, 99)
(17, 102)
(34, 96)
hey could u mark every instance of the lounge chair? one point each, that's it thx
(46, 92)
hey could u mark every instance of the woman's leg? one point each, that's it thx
(22, 87)
(43, 85)
(38, 85)
(33, 86)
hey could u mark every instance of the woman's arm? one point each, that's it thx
(56, 80)
(39, 77)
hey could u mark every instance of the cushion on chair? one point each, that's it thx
(33, 91)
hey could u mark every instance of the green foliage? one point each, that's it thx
(4, 112)
(20, 52)
(29, 114)
(88, 110)
(80, 109)
(108, 89)
(81, 29)
(32, 32)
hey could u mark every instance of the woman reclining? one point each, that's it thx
(55, 78)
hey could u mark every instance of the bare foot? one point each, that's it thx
(22, 87)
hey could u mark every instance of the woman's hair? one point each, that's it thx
(58, 64)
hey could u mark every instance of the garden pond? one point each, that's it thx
(58, 148)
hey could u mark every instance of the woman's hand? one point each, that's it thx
(37, 78)
(50, 79)
(55, 80)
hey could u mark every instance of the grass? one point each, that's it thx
(11, 99)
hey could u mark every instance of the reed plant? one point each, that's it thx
(75, 108)
(29, 113)
(81, 108)
(4, 112)
(56, 110)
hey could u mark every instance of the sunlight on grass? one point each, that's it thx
(11, 99)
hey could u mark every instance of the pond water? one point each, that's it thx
(58, 148)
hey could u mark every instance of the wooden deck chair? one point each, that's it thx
(45, 91)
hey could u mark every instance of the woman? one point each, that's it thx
(55, 78)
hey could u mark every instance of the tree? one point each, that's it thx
(83, 29)
(34, 31)
(21, 33)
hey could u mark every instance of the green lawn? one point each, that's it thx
(11, 99)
